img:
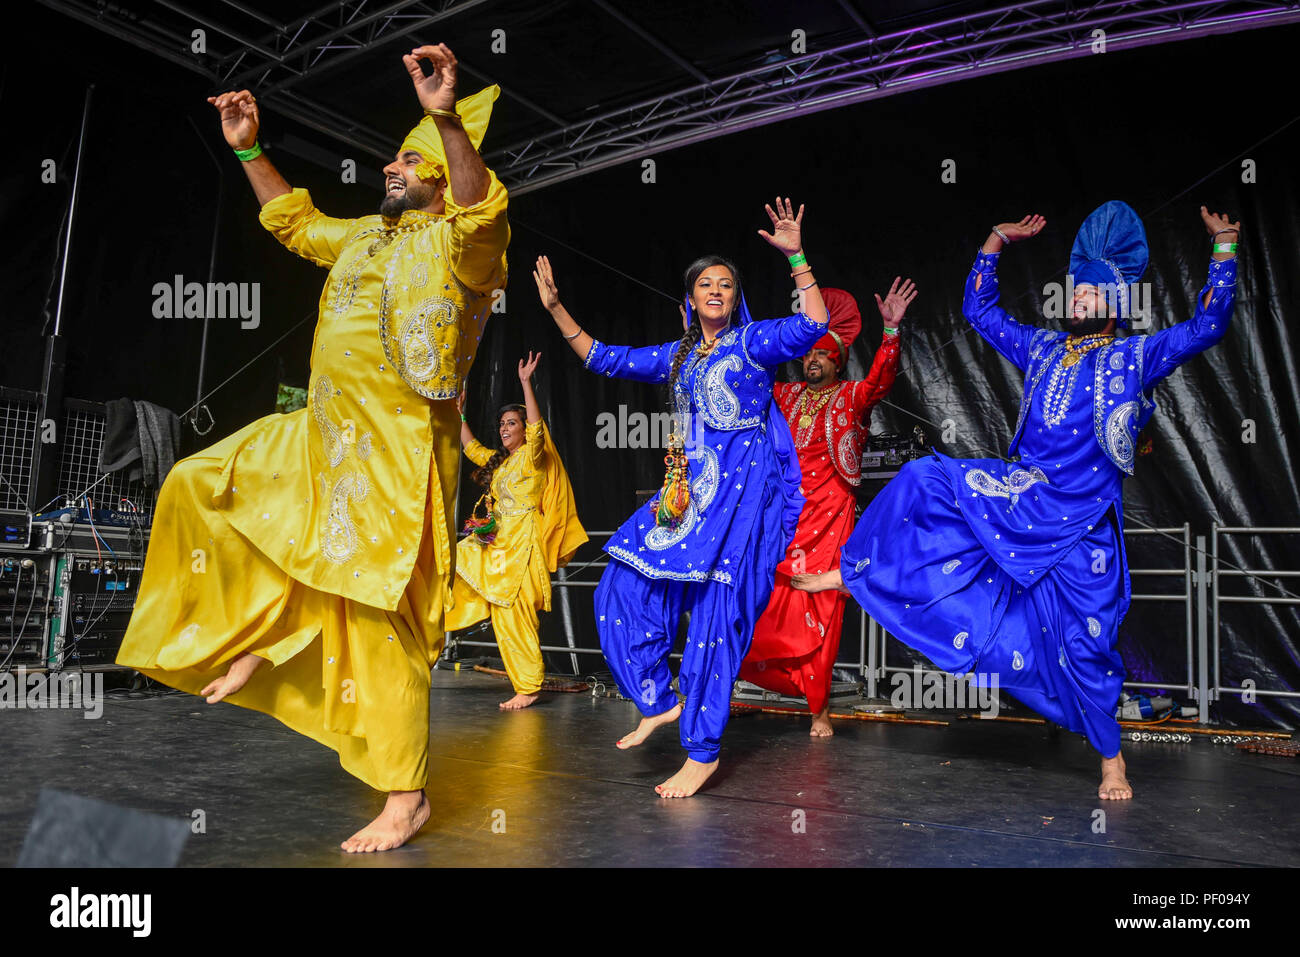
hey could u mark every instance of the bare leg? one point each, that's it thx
(633, 738)
(1114, 783)
(241, 669)
(821, 723)
(688, 780)
(822, 582)
(404, 813)
(518, 701)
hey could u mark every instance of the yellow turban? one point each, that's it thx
(475, 111)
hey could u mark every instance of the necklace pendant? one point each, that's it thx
(805, 421)
(1070, 359)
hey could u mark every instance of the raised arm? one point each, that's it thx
(772, 341)
(980, 303)
(644, 363)
(240, 122)
(573, 334)
(475, 199)
(884, 367)
(526, 369)
(1165, 351)
(466, 433)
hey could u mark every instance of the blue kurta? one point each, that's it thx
(1018, 568)
(719, 564)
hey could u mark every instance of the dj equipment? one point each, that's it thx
(889, 450)
(24, 609)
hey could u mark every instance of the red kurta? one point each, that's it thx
(797, 638)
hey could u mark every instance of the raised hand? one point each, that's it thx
(896, 302)
(545, 280)
(239, 118)
(526, 368)
(438, 90)
(1217, 222)
(787, 228)
(1029, 226)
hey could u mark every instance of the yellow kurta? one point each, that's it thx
(509, 580)
(496, 571)
(320, 539)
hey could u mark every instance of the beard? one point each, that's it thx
(1086, 326)
(413, 197)
(817, 379)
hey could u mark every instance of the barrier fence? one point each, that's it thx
(1202, 573)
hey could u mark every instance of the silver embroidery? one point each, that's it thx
(1017, 661)
(1118, 441)
(345, 288)
(703, 489)
(960, 639)
(338, 534)
(1094, 627)
(1016, 483)
(364, 446)
(721, 408)
(950, 567)
(331, 436)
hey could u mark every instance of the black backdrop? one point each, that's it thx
(1164, 129)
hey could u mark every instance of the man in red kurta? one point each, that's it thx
(798, 636)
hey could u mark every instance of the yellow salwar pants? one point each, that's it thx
(515, 626)
(348, 675)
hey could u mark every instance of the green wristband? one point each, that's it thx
(891, 332)
(462, 417)
(1225, 247)
(252, 153)
(798, 260)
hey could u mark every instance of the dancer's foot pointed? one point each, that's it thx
(633, 738)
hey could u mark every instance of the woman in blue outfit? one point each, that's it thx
(715, 560)
(1017, 568)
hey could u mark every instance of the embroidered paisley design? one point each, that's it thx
(331, 435)
(344, 293)
(1094, 627)
(703, 488)
(721, 408)
(960, 639)
(950, 567)
(1017, 661)
(1016, 483)
(1119, 442)
(861, 564)
(338, 535)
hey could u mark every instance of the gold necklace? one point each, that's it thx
(808, 414)
(1077, 348)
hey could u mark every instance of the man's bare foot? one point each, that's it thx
(815, 583)
(821, 725)
(404, 813)
(688, 780)
(518, 701)
(241, 669)
(1114, 785)
(633, 738)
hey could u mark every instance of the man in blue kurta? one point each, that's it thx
(1017, 568)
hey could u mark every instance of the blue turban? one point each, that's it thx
(1110, 250)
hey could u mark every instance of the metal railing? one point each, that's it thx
(1219, 572)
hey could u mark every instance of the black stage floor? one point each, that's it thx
(970, 794)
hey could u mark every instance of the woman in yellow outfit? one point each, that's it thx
(537, 530)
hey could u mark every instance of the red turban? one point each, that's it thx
(845, 324)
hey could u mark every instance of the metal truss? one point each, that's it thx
(282, 57)
(940, 51)
(943, 51)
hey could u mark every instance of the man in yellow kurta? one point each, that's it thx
(320, 541)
